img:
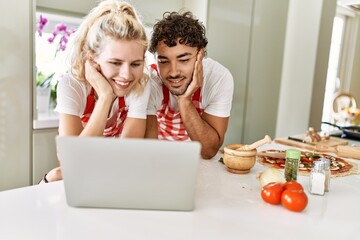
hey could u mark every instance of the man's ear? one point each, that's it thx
(200, 54)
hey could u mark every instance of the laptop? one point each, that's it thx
(148, 174)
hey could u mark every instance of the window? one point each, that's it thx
(332, 80)
(344, 37)
(50, 58)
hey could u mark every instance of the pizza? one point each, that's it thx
(338, 166)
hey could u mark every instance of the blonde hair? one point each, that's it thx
(111, 18)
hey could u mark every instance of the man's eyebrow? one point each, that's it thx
(179, 56)
(183, 55)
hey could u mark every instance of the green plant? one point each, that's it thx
(45, 81)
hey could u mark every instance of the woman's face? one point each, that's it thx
(121, 63)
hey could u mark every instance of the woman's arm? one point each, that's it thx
(71, 124)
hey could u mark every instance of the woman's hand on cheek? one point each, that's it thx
(97, 80)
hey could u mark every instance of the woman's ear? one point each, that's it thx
(91, 56)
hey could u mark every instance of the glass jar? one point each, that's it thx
(327, 172)
(292, 164)
(317, 178)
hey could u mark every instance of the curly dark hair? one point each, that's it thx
(178, 26)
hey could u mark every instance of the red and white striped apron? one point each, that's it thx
(170, 124)
(116, 128)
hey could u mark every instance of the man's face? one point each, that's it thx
(176, 66)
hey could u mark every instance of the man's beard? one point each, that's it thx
(181, 90)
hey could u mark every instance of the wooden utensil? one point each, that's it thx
(272, 154)
(332, 142)
(341, 151)
(256, 144)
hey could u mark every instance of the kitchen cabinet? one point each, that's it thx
(44, 153)
(15, 93)
(247, 37)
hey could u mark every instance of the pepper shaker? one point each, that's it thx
(327, 172)
(292, 164)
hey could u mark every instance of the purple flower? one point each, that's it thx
(43, 21)
(60, 29)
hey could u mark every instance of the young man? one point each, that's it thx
(190, 96)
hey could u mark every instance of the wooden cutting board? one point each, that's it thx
(332, 142)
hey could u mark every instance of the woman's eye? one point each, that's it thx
(135, 64)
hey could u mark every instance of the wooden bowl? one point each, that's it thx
(239, 161)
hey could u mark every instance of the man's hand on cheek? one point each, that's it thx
(197, 78)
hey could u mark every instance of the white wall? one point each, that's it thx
(355, 78)
(15, 98)
(304, 63)
(153, 10)
(147, 9)
(70, 6)
(199, 8)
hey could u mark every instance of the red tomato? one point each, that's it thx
(271, 192)
(294, 200)
(304, 159)
(293, 185)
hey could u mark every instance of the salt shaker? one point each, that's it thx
(317, 178)
(327, 173)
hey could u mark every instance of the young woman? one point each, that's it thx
(106, 93)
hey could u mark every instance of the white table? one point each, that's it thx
(228, 206)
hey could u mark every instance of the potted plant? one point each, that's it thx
(43, 91)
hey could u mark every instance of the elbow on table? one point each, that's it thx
(206, 155)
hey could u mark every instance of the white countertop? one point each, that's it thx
(48, 119)
(227, 206)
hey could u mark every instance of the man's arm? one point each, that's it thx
(134, 128)
(151, 127)
(209, 130)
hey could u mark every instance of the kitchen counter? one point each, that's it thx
(45, 120)
(227, 206)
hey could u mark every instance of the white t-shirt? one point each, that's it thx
(216, 91)
(72, 96)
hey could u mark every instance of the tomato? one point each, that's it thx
(293, 185)
(271, 192)
(294, 199)
(307, 160)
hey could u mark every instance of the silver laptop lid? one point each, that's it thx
(129, 173)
